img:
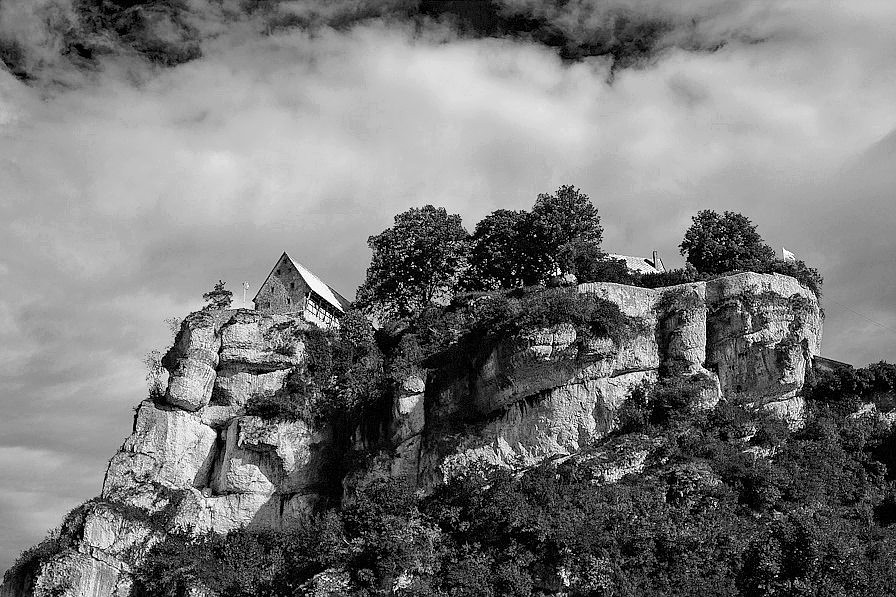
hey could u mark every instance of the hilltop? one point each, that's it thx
(531, 417)
(269, 423)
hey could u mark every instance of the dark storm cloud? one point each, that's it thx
(129, 191)
(46, 39)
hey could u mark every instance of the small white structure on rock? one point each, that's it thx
(293, 288)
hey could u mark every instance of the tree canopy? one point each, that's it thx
(427, 255)
(219, 298)
(715, 244)
(415, 262)
(498, 258)
(519, 248)
(564, 217)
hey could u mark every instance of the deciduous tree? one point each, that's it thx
(717, 244)
(498, 257)
(564, 217)
(415, 262)
(518, 248)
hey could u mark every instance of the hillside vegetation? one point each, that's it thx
(731, 502)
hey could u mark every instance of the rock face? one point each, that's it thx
(748, 338)
(196, 462)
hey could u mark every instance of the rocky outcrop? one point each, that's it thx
(762, 332)
(90, 555)
(194, 462)
(168, 447)
(191, 364)
(747, 338)
(197, 462)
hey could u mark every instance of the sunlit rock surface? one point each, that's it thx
(749, 337)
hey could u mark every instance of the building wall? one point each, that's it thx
(283, 292)
(319, 311)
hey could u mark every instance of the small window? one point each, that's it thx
(292, 285)
(288, 301)
(278, 272)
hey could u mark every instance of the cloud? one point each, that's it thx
(130, 191)
(39, 487)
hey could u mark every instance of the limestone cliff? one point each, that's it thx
(196, 462)
(748, 338)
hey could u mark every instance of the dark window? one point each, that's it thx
(292, 285)
(288, 301)
(278, 272)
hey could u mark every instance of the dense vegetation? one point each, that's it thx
(427, 256)
(343, 376)
(351, 373)
(731, 503)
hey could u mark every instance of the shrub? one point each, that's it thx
(845, 389)
(805, 275)
(672, 277)
(155, 378)
(675, 398)
(342, 376)
(28, 565)
(589, 264)
(633, 415)
(677, 300)
(593, 317)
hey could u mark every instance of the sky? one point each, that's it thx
(128, 189)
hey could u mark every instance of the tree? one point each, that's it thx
(415, 262)
(516, 248)
(588, 263)
(219, 298)
(559, 219)
(498, 257)
(716, 244)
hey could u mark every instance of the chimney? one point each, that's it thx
(656, 264)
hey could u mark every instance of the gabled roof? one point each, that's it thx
(637, 264)
(318, 286)
(314, 283)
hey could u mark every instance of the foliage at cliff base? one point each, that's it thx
(731, 503)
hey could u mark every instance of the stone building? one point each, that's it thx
(292, 288)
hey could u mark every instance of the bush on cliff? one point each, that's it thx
(468, 328)
(28, 565)
(845, 389)
(342, 376)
